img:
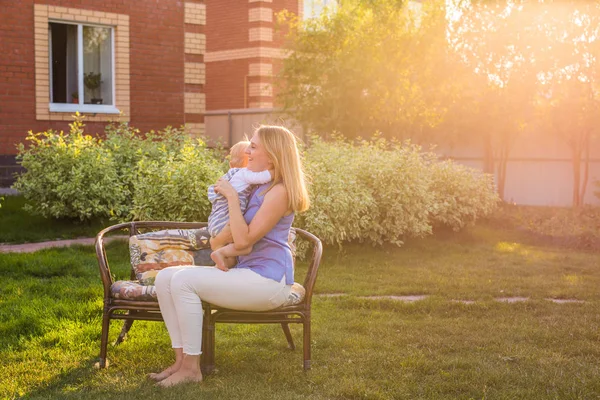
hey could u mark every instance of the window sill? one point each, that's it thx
(84, 108)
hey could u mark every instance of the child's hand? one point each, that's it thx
(224, 188)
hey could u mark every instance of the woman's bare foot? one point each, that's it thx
(181, 376)
(159, 376)
(219, 260)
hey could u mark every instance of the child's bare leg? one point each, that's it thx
(224, 257)
(223, 238)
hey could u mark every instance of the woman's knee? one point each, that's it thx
(163, 278)
(182, 281)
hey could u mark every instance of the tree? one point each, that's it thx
(486, 72)
(569, 102)
(492, 40)
(537, 56)
(370, 66)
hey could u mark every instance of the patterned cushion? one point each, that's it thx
(296, 295)
(153, 251)
(133, 290)
(292, 242)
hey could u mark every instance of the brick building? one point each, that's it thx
(150, 62)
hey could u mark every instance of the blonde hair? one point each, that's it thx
(281, 146)
(237, 156)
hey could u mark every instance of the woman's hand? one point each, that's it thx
(224, 188)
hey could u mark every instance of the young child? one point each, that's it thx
(242, 181)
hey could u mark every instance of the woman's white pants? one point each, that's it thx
(180, 291)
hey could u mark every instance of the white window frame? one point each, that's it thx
(84, 108)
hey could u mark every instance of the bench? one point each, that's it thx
(135, 299)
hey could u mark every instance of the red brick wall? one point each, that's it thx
(156, 60)
(194, 58)
(227, 29)
(225, 84)
(227, 24)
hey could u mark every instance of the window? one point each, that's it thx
(55, 84)
(81, 68)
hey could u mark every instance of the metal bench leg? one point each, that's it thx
(288, 335)
(207, 360)
(123, 335)
(306, 344)
(104, 338)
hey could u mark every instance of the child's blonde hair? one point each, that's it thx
(280, 144)
(237, 154)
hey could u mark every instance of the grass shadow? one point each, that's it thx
(19, 226)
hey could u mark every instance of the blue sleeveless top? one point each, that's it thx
(271, 256)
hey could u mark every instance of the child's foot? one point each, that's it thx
(181, 376)
(219, 261)
(159, 376)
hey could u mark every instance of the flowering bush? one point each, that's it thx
(340, 205)
(69, 175)
(462, 195)
(173, 186)
(129, 147)
(380, 191)
(74, 175)
(371, 190)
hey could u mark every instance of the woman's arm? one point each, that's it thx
(274, 207)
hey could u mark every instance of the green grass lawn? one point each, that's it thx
(51, 302)
(18, 226)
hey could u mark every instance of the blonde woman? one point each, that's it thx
(262, 279)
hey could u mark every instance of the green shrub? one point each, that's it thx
(382, 192)
(372, 190)
(577, 228)
(340, 205)
(129, 147)
(173, 186)
(75, 175)
(462, 195)
(398, 177)
(69, 176)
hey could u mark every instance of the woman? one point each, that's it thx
(261, 280)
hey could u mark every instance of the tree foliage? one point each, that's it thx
(483, 73)
(370, 66)
(493, 41)
(569, 96)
